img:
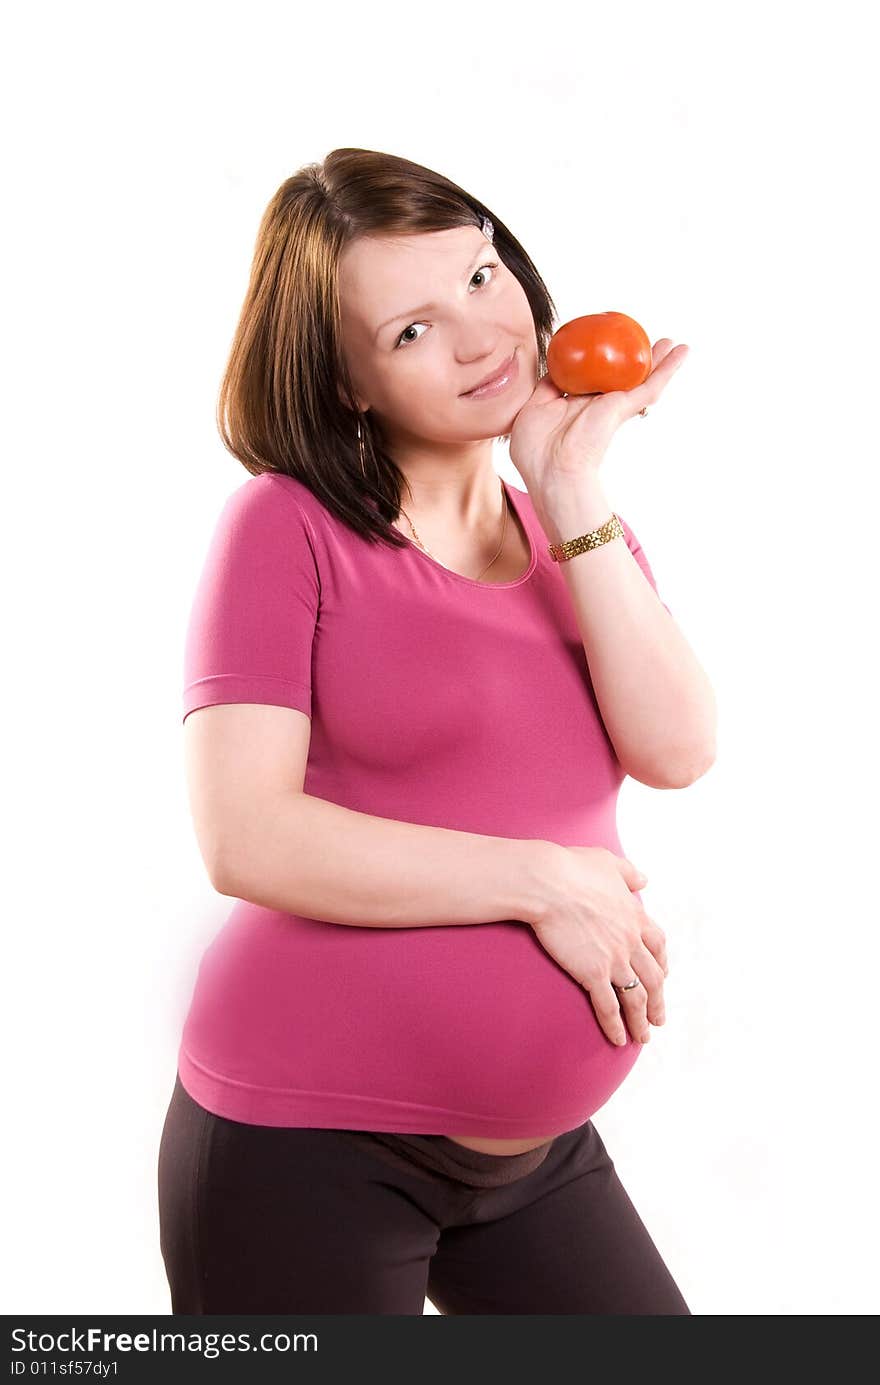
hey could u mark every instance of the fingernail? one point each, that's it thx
(620, 1040)
(644, 1039)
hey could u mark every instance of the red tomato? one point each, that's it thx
(599, 353)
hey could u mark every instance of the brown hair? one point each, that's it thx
(280, 407)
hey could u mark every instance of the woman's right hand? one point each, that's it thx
(594, 925)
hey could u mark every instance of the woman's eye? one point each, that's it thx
(491, 264)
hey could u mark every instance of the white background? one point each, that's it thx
(709, 171)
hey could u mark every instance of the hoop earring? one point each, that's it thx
(361, 448)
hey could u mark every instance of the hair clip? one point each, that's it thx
(487, 228)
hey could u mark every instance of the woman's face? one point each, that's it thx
(411, 363)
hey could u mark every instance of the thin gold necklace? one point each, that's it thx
(500, 547)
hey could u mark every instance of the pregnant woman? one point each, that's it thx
(412, 692)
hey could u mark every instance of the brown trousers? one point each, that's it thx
(267, 1219)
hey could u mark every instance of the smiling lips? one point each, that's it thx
(493, 384)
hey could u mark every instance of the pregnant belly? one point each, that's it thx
(470, 1028)
(499, 1146)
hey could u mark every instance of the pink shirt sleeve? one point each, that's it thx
(253, 616)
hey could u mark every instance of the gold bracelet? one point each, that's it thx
(611, 529)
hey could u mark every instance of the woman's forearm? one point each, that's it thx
(305, 855)
(656, 700)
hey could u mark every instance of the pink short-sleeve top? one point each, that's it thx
(434, 698)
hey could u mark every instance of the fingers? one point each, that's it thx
(634, 1007)
(650, 973)
(666, 360)
(634, 1010)
(638, 1008)
(660, 350)
(643, 1005)
(606, 1004)
(655, 940)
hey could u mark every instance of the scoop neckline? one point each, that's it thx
(510, 491)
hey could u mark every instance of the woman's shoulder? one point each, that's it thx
(271, 490)
(279, 482)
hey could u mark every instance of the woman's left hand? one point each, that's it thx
(557, 437)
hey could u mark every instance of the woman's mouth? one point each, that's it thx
(501, 380)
